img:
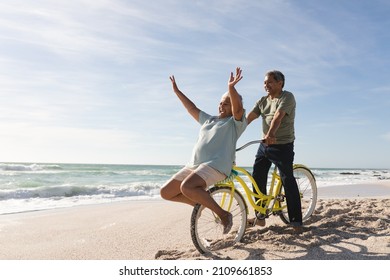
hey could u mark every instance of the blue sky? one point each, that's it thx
(87, 81)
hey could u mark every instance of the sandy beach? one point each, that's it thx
(350, 222)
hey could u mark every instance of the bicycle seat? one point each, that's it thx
(229, 178)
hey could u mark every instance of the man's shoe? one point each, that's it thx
(297, 227)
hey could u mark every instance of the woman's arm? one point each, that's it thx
(235, 99)
(188, 104)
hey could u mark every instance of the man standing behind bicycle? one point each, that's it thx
(278, 112)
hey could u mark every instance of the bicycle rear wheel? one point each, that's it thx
(308, 191)
(206, 228)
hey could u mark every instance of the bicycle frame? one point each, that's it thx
(259, 201)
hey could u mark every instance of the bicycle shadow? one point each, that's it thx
(338, 230)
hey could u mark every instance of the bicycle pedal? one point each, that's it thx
(256, 222)
(260, 216)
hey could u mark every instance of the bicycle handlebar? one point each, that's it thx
(249, 143)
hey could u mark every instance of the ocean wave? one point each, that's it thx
(58, 192)
(28, 167)
(334, 177)
(41, 198)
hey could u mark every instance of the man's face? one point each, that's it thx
(271, 86)
(225, 107)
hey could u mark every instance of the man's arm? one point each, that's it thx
(250, 117)
(188, 104)
(275, 123)
(235, 99)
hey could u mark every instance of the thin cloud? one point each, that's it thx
(387, 136)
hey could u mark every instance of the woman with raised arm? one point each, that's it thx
(213, 154)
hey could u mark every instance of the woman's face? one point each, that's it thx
(225, 107)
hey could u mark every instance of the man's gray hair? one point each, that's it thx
(277, 75)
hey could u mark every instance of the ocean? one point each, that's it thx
(37, 186)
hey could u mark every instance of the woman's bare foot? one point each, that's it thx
(227, 222)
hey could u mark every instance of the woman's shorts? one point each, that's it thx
(207, 173)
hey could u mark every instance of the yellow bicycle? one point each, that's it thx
(206, 228)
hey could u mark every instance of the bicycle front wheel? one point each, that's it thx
(206, 228)
(308, 191)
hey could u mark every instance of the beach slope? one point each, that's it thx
(349, 222)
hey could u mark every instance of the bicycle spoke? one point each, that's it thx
(207, 230)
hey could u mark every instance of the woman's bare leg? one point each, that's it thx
(193, 187)
(192, 191)
(172, 191)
